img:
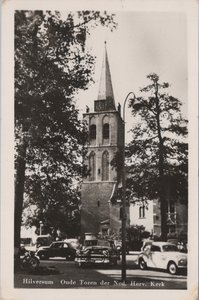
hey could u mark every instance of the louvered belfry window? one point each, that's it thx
(106, 131)
(105, 166)
(92, 166)
(93, 132)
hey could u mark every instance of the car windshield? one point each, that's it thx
(56, 245)
(169, 248)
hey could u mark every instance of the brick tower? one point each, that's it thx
(105, 126)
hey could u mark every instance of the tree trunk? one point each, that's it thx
(19, 194)
(163, 203)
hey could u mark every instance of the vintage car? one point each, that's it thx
(162, 255)
(97, 255)
(57, 249)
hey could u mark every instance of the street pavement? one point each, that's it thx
(59, 273)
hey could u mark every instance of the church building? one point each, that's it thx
(99, 214)
(101, 203)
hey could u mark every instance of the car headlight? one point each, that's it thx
(182, 262)
(105, 252)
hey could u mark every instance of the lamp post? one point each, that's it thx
(124, 194)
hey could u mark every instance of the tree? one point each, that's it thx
(51, 65)
(157, 154)
(135, 234)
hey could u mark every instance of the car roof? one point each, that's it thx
(98, 247)
(162, 244)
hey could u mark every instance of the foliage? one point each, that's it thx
(158, 153)
(51, 65)
(143, 151)
(137, 233)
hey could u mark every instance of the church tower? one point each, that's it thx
(105, 126)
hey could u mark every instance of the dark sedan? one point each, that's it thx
(97, 255)
(57, 249)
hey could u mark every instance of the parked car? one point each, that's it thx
(162, 255)
(97, 255)
(57, 249)
(90, 240)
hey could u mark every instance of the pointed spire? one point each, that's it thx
(105, 86)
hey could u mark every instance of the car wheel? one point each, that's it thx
(172, 268)
(43, 256)
(114, 262)
(70, 257)
(142, 264)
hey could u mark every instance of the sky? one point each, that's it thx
(143, 43)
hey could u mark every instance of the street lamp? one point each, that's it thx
(135, 104)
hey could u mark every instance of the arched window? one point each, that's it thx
(92, 166)
(142, 212)
(106, 131)
(93, 132)
(105, 166)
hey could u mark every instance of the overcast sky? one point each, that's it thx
(143, 42)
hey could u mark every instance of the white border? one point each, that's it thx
(190, 7)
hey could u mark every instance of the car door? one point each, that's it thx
(55, 249)
(156, 256)
(65, 250)
(147, 255)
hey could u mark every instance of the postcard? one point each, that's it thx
(99, 149)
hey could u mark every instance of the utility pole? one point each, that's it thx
(124, 217)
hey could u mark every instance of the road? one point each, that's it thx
(59, 273)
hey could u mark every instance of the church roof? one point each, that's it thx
(105, 85)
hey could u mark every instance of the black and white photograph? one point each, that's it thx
(103, 147)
